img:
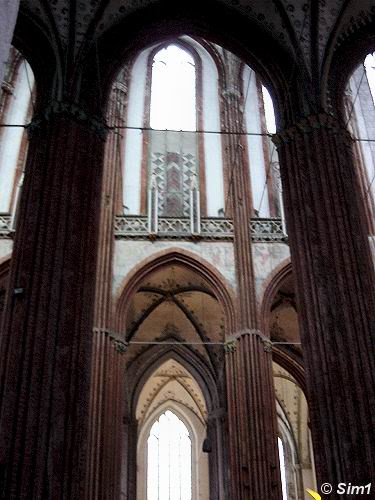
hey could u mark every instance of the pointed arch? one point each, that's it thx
(165, 258)
(270, 288)
(139, 371)
(289, 360)
(173, 89)
(348, 51)
(144, 365)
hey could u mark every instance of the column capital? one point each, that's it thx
(310, 124)
(231, 92)
(120, 345)
(74, 112)
(231, 344)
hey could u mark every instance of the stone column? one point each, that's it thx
(46, 343)
(8, 16)
(106, 402)
(251, 400)
(335, 282)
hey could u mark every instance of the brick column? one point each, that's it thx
(46, 343)
(251, 400)
(335, 282)
(106, 402)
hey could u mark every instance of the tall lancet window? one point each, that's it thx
(282, 468)
(173, 90)
(169, 459)
(370, 70)
(172, 142)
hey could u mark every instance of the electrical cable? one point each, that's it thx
(143, 129)
(119, 337)
(220, 132)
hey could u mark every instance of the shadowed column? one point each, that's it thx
(251, 400)
(335, 281)
(106, 401)
(46, 343)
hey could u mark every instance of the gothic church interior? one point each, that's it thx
(186, 249)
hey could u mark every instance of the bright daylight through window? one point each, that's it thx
(173, 90)
(169, 459)
(282, 468)
(370, 70)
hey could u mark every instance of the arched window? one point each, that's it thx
(15, 106)
(173, 90)
(370, 70)
(282, 468)
(173, 146)
(269, 111)
(169, 459)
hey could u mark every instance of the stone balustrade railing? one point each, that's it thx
(213, 228)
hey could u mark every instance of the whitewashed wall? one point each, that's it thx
(132, 152)
(11, 137)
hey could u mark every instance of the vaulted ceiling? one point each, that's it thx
(308, 28)
(171, 382)
(174, 304)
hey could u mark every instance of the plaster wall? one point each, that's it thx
(132, 149)
(266, 257)
(11, 137)
(129, 253)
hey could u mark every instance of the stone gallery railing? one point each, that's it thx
(213, 228)
(6, 225)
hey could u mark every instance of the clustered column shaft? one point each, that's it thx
(46, 343)
(106, 402)
(251, 399)
(335, 284)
